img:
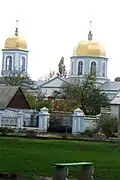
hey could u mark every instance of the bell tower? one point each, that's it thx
(15, 55)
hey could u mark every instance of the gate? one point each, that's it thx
(60, 122)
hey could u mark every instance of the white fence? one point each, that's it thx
(90, 123)
(19, 119)
(14, 119)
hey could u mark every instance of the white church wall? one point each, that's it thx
(48, 91)
(115, 110)
(17, 60)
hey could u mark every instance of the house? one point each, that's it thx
(13, 97)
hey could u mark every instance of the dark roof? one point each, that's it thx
(6, 94)
(114, 86)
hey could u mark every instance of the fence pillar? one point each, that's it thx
(43, 119)
(78, 121)
(20, 116)
(1, 113)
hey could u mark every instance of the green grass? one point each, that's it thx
(37, 156)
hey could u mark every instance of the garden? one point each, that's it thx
(37, 157)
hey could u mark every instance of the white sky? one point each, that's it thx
(53, 27)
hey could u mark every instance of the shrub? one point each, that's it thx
(31, 133)
(3, 130)
(88, 133)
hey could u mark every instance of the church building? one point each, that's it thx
(88, 57)
(14, 55)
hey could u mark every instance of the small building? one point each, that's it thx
(13, 97)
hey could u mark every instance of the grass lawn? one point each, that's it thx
(38, 156)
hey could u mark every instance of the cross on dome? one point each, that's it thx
(90, 32)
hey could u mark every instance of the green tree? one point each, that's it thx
(117, 79)
(61, 68)
(108, 124)
(37, 104)
(88, 96)
(32, 101)
(44, 103)
(17, 80)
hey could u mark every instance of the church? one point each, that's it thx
(14, 55)
(88, 57)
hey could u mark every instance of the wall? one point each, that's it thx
(115, 110)
(50, 86)
(90, 123)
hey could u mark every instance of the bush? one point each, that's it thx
(3, 130)
(31, 133)
(88, 133)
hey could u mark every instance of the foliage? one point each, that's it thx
(17, 80)
(57, 95)
(37, 104)
(32, 101)
(44, 103)
(48, 76)
(61, 68)
(31, 133)
(65, 105)
(87, 95)
(36, 157)
(5, 130)
(108, 124)
(117, 79)
(88, 132)
(40, 95)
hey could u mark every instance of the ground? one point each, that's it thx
(38, 156)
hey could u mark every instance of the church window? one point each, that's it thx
(93, 68)
(72, 68)
(103, 70)
(8, 63)
(22, 64)
(80, 68)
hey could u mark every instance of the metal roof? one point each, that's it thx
(114, 86)
(6, 94)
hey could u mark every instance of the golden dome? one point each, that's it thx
(90, 48)
(15, 42)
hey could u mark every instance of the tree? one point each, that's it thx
(50, 75)
(108, 125)
(65, 105)
(61, 68)
(17, 80)
(117, 79)
(40, 95)
(32, 101)
(88, 96)
(38, 104)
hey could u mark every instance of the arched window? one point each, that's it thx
(8, 63)
(72, 68)
(80, 68)
(22, 64)
(103, 70)
(93, 68)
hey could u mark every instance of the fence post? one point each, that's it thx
(20, 116)
(1, 113)
(43, 119)
(78, 121)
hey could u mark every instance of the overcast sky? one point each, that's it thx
(53, 27)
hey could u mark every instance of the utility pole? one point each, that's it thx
(119, 125)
